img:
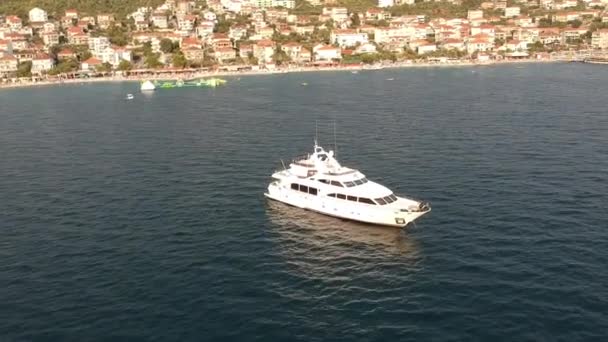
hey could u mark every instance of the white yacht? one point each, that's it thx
(318, 182)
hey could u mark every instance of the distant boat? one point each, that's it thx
(304, 83)
(354, 72)
(147, 86)
(390, 79)
(130, 97)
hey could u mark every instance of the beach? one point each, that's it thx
(21, 82)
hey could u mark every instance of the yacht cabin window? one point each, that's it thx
(366, 200)
(304, 188)
(336, 183)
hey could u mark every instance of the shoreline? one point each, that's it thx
(195, 75)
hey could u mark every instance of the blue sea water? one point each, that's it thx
(145, 220)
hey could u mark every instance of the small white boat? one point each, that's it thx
(130, 97)
(147, 86)
(354, 72)
(304, 83)
(319, 183)
(390, 79)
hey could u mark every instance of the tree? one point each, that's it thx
(355, 20)
(223, 25)
(24, 69)
(280, 57)
(152, 61)
(179, 60)
(65, 66)
(118, 35)
(105, 67)
(125, 65)
(576, 23)
(166, 45)
(253, 60)
(85, 55)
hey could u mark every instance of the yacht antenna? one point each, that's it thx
(316, 132)
(335, 145)
(284, 168)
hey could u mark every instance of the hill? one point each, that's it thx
(56, 8)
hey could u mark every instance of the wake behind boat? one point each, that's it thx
(318, 182)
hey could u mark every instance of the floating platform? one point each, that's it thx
(210, 82)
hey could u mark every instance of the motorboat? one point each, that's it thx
(147, 86)
(319, 183)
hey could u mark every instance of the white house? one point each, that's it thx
(90, 64)
(42, 63)
(284, 3)
(38, 15)
(205, 29)
(8, 64)
(98, 45)
(326, 53)
(474, 14)
(511, 12)
(365, 48)
(115, 54)
(159, 19)
(6, 46)
(210, 16)
(50, 38)
(599, 39)
(479, 44)
(426, 48)
(453, 44)
(346, 38)
(186, 22)
(337, 14)
(386, 3)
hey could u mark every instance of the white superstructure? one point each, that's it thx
(318, 182)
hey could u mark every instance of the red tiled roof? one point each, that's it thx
(191, 41)
(41, 56)
(345, 31)
(291, 44)
(225, 49)
(65, 52)
(327, 48)
(265, 43)
(92, 61)
(8, 57)
(13, 19)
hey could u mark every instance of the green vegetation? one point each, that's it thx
(305, 8)
(152, 61)
(280, 57)
(118, 35)
(25, 69)
(105, 67)
(358, 5)
(125, 66)
(65, 66)
(56, 8)
(167, 45)
(179, 60)
(436, 9)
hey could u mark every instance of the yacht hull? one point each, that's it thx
(344, 210)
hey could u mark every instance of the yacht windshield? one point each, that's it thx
(386, 200)
(356, 182)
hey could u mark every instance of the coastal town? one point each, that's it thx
(180, 36)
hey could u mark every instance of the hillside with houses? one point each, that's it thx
(270, 34)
